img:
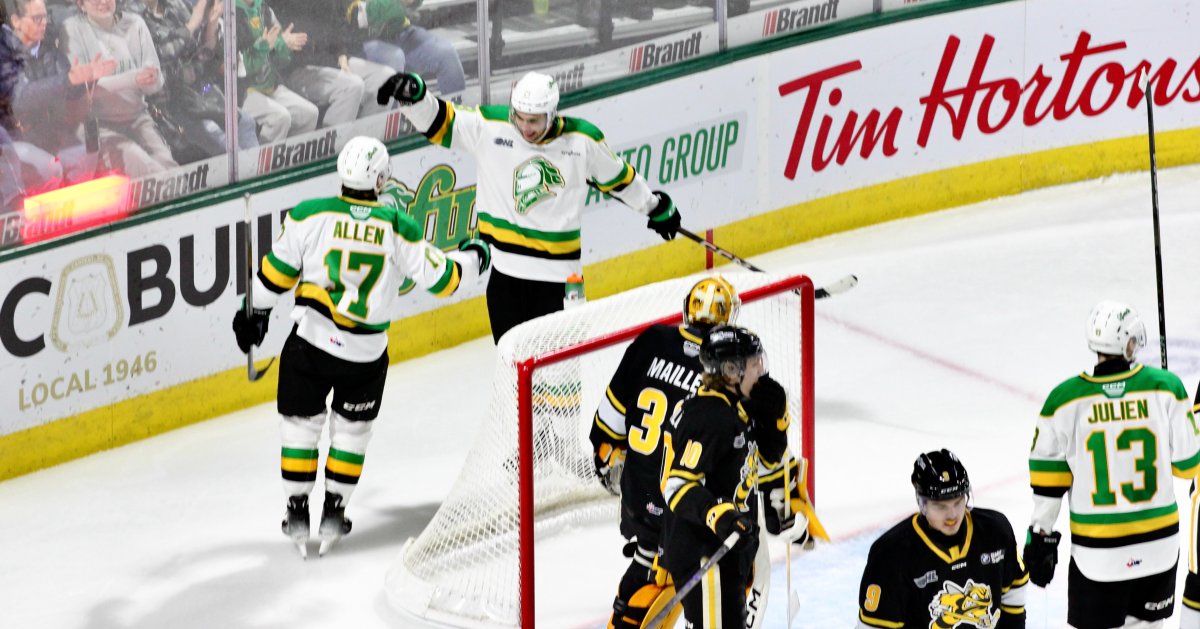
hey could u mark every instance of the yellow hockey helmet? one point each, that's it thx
(712, 301)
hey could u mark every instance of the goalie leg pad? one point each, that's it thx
(644, 605)
(298, 457)
(641, 592)
(347, 451)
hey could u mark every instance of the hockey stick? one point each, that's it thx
(1162, 315)
(787, 508)
(252, 374)
(694, 580)
(836, 288)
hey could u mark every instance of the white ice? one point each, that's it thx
(962, 323)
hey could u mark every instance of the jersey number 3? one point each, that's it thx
(644, 439)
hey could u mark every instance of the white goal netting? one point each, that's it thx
(464, 568)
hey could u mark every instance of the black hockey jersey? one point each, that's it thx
(713, 452)
(659, 370)
(917, 578)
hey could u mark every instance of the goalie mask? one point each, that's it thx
(364, 164)
(939, 475)
(1111, 326)
(712, 301)
(727, 349)
(534, 94)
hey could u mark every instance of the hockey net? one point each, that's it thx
(530, 470)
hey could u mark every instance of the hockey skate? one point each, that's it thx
(333, 522)
(295, 523)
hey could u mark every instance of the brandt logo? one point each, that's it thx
(653, 55)
(785, 19)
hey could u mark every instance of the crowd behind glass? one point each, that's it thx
(137, 87)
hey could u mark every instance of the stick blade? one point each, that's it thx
(252, 373)
(793, 607)
(837, 288)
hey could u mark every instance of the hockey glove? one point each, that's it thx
(664, 218)
(797, 519)
(767, 401)
(1041, 556)
(610, 462)
(252, 330)
(481, 250)
(724, 519)
(406, 87)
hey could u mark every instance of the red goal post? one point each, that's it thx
(550, 358)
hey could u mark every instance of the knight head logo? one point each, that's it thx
(533, 181)
(969, 605)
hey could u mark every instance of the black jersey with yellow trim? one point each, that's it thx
(915, 577)
(710, 460)
(659, 370)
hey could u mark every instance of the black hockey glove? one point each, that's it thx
(406, 87)
(732, 521)
(480, 249)
(664, 219)
(767, 401)
(1041, 556)
(252, 330)
(610, 463)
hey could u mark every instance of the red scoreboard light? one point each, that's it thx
(75, 208)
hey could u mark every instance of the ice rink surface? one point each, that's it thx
(963, 321)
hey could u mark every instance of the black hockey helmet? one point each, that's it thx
(726, 348)
(939, 475)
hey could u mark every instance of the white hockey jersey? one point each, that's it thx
(530, 197)
(1113, 442)
(346, 259)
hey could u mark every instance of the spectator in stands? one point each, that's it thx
(47, 99)
(128, 138)
(266, 49)
(12, 183)
(328, 71)
(395, 41)
(12, 189)
(190, 110)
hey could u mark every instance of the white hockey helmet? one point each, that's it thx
(536, 93)
(1110, 327)
(364, 164)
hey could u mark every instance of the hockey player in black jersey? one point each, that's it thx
(659, 370)
(950, 565)
(734, 426)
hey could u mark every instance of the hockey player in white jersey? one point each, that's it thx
(534, 169)
(345, 257)
(1112, 440)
